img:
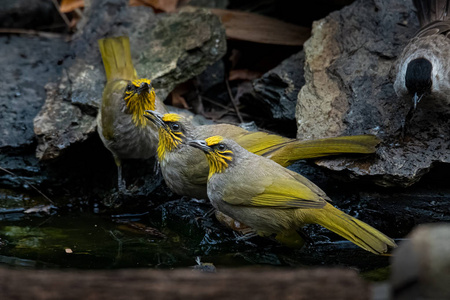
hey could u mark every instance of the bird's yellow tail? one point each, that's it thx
(116, 57)
(287, 153)
(354, 230)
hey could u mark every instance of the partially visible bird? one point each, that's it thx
(185, 169)
(120, 121)
(423, 68)
(275, 201)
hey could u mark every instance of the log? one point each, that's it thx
(240, 283)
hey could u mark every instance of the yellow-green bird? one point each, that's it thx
(120, 121)
(185, 169)
(273, 200)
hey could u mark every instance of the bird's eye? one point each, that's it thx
(175, 126)
(221, 147)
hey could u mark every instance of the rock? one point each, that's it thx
(169, 50)
(349, 90)
(421, 264)
(22, 93)
(28, 14)
(60, 124)
(278, 89)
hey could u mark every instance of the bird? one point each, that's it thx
(422, 68)
(185, 170)
(123, 129)
(275, 201)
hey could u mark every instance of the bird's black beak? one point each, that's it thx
(200, 144)
(144, 87)
(155, 117)
(416, 99)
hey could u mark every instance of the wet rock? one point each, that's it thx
(38, 14)
(28, 63)
(421, 264)
(349, 90)
(277, 89)
(60, 124)
(168, 49)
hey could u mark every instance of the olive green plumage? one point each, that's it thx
(273, 200)
(120, 122)
(185, 170)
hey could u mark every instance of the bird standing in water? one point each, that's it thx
(273, 200)
(185, 169)
(120, 122)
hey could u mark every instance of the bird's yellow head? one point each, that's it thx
(172, 131)
(139, 96)
(217, 152)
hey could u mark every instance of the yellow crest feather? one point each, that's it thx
(213, 140)
(171, 118)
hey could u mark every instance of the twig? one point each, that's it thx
(231, 110)
(31, 32)
(233, 101)
(120, 244)
(217, 104)
(63, 16)
(27, 182)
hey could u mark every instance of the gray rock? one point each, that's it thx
(36, 14)
(349, 90)
(28, 63)
(421, 264)
(169, 50)
(278, 89)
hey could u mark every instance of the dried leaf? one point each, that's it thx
(178, 100)
(244, 74)
(70, 5)
(161, 5)
(261, 29)
(140, 228)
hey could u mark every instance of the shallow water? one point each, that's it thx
(173, 234)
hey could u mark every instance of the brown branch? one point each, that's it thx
(243, 283)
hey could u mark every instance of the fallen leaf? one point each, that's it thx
(261, 29)
(140, 228)
(70, 5)
(161, 5)
(244, 74)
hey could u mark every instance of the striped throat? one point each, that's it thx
(139, 96)
(220, 155)
(171, 136)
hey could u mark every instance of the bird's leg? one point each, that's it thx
(209, 213)
(156, 167)
(120, 181)
(305, 237)
(244, 236)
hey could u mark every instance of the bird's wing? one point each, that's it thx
(112, 95)
(276, 187)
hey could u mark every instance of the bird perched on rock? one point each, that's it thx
(120, 121)
(273, 200)
(185, 169)
(423, 68)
